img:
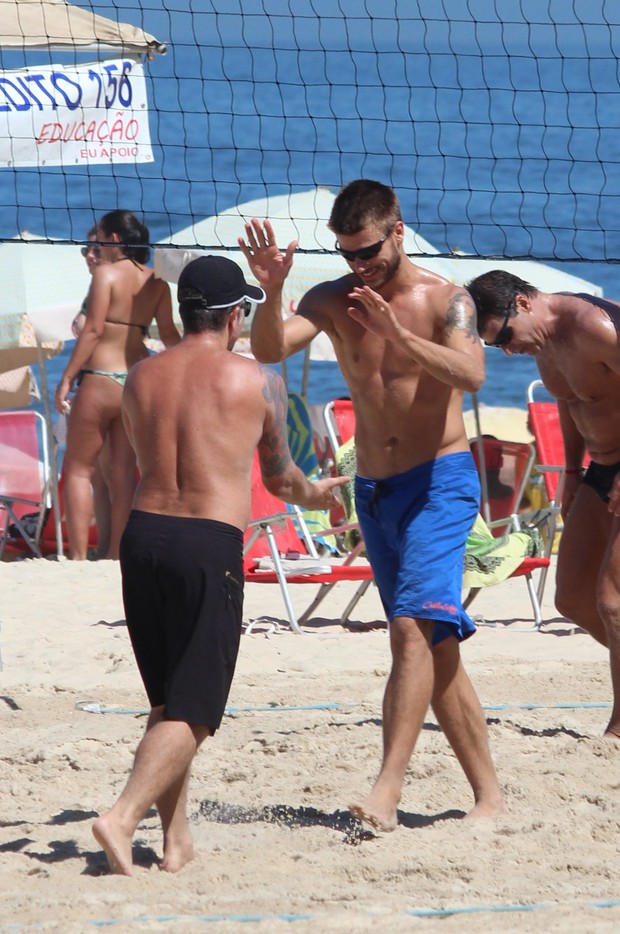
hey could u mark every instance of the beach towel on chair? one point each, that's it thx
(489, 560)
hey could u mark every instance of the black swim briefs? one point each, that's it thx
(601, 477)
(183, 597)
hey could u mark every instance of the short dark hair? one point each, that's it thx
(493, 292)
(198, 317)
(133, 233)
(361, 203)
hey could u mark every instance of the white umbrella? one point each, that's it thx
(301, 216)
(57, 25)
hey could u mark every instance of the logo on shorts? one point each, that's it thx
(444, 607)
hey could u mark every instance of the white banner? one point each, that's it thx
(78, 115)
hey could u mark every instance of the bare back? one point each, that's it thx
(124, 299)
(580, 365)
(195, 416)
(404, 415)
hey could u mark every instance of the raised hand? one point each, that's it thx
(269, 265)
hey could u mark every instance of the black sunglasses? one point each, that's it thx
(247, 307)
(367, 252)
(95, 250)
(504, 335)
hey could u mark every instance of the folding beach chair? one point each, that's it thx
(494, 552)
(274, 553)
(47, 539)
(25, 497)
(550, 463)
(339, 419)
(508, 466)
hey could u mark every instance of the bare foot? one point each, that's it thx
(489, 807)
(177, 854)
(116, 844)
(369, 813)
(611, 734)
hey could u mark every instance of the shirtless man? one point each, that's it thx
(195, 415)
(407, 346)
(575, 342)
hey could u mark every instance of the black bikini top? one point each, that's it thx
(130, 324)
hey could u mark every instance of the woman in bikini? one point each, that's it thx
(124, 298)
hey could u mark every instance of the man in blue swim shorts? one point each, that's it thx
(196, 415)
(574, 340)
(416, 556)
(406, 343)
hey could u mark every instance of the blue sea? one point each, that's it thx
(496, 126)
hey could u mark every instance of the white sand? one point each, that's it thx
(270, 791)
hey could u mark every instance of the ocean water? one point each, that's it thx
(486, 117)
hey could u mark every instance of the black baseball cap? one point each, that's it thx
(218, 281)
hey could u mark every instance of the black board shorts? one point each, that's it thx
(183, 596)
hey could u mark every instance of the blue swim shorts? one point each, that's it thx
(415, 527)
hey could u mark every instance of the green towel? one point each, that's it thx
(489, 560)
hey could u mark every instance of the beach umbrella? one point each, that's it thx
(56, 25)
(300, 216)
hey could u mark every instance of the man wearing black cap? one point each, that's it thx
(195, 415)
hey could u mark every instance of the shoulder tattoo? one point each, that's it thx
(461, 316)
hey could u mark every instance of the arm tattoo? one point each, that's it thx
(462, 316)
(273, 449)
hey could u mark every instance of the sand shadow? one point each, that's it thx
(267, 625)
(115, 624)
(143, 857)
(284, 815)
(563, 626)
(71, 817)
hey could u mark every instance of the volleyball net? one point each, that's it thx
(494, 120)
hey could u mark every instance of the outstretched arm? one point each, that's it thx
(459, 361)
(280, 474)
(272, 338)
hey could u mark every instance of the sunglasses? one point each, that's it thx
(367, 252)
(95, 250)
(504, 335)
(246, 306)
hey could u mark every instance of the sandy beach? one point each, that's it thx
(277, 846)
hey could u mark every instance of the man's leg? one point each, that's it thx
(588, 581)
(459, 714)
(609, 610)
(407, 697)
(159, 774)
(582, 550)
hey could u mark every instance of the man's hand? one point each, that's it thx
(269, 265)
(325, 493)
(375, 314)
